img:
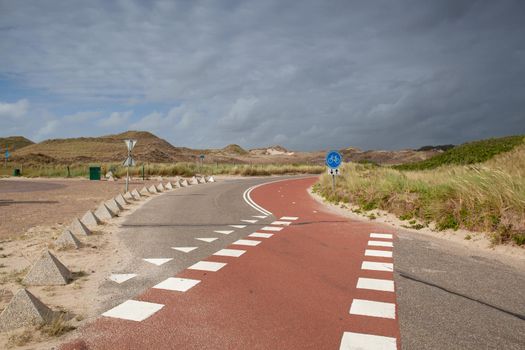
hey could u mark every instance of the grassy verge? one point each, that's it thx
(181, 169)
(487, 197)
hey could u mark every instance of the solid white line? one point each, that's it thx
(271, 228)
(381, 253)
(361, 341)
(133, 310)
(375, 284)
(250, 221)
(158, 262)
(261, 235)
(283, 223)
(259, 216)
(121, 277)
(377, 266)
(237, 226)
(247, 242)
(292, 218)
(207, 266)
(251, 203)
(224, 232)
(230, 252)
(381, 235)
(184, 249)
(380, 244)
(373, 308)
(177, 284)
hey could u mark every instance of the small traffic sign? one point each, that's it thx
(6, 154)
(333, 159)
(202, 156)
(130, 144)
(334, 172)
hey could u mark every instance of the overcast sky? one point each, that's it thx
(304, 74)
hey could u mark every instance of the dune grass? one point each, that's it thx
(488, 197)
(159, 169)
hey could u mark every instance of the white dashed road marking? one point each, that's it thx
(207, 239)
(283, 223)
(121, 277)
(381, 235)
(292, 218)
(259, 216)
(380, 244)
(250, 221)
(207, 266)
(224, 232)
(238, 226)
(373, 308)
(360, 341)
(177, 284)
(230, 252)
(377, 266)
(158, 262)
(261, 235)
(184, 249)
(271, 228)
(375, 284)
(380, 253)
(133, 310)
(247, 242)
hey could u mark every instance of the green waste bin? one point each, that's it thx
(16, 172)
(94, 173)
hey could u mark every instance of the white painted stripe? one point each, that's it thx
(250, 221)
(121, 277)
(377, 266)
(375, 284)
(261, 235)
(238, 226)
(158, 262)
(282, 223)
(247, 242)
(271, 228)
(184, 249)
(230, 252)
(259, 216)
(381, 253)
(251, 203)
(177, 284)
(207, 266)
(224, 232)
(292, 218)
(373, 308)
(207, 239)
(380, 244)
(361, 341)
(381, 235)
(133, 310)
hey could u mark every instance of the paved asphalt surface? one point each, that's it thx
(297, 289)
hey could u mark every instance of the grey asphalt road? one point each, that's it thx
(450, 297)
(175, 219)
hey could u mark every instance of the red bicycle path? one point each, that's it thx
(292, 291)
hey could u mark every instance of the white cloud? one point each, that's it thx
(14, 110)
(81, 117)
(50, 126)
(115, 119)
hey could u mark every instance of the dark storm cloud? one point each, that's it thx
(306, 74)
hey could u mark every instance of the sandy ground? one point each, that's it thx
(80, 298)
(479, 242)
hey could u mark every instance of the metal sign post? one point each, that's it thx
(129, 161)
(333, 161)
(6, 156)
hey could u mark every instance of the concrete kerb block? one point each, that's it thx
(194, 181)
(90, 219)
(211, 179)
(24, 309)
(144, 191)
(152, 189)
(121, 200)
(78, 228)
(135, 193)
(184, 183)
(113, 205)
(168, 186)
(48, 271)
(160, 187)
(104, 213)
(67, 240)
(129, 197)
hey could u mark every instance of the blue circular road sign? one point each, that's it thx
(333, 159)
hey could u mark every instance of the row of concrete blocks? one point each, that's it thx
(26, 309)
